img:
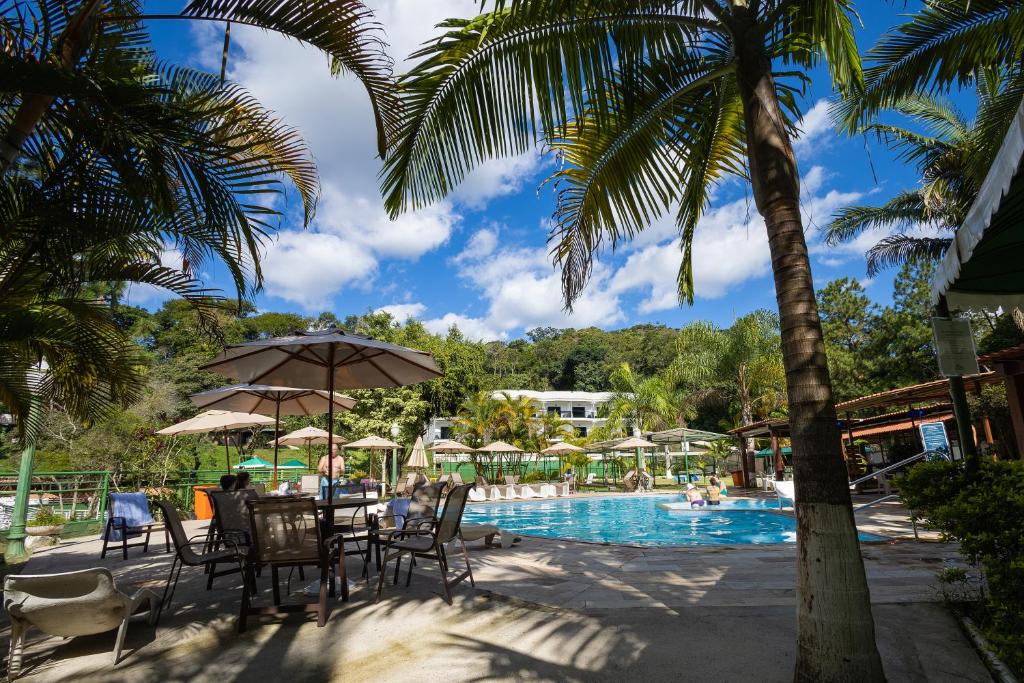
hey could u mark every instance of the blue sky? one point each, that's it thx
(479, 259)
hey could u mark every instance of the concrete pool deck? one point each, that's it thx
(543, 610)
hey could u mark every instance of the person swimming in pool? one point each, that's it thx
(693, 495)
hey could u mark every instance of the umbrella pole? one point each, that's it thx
(277, 428)
(329, 511)
(227, 453)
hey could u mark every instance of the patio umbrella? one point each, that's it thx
(265, 398)
(325, 359)
(374, 443)
(418, 457)
(447, 446)
(637, 444)
(307, 436)
(500, 447)
(292, 465)
(215, 421)
(254, 463)
(560, 449)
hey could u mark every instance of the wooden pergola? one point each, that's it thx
(1008, 367)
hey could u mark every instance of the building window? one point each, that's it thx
(446, 432)
(581, 432)
(554, 410)
(579, 411)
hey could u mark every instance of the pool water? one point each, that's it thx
(638, 520)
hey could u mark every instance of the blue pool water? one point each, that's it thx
(638, 520)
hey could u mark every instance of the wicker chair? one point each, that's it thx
(185, 554)
(287, 533)
(426, 538)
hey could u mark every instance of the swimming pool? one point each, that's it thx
(638, 520)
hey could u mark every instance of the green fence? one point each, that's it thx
(81, 497)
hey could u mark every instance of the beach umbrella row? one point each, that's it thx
(217, 421)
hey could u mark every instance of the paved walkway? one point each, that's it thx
(544, 610)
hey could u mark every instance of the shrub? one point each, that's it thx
(982, 512)
(45, 516)
(532, 477)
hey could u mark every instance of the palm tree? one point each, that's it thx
(54, 43)
(741, 363)
(648, 104)
(475, 422)
(515, 423)
(952, 157)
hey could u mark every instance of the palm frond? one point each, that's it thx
(943, 44)
(896, 250)
(344, 29)
(901, 213)
(487, 86)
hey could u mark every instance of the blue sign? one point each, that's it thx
(933, 435)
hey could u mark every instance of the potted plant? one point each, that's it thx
(46, 523)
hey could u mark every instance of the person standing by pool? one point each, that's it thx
(693, 495)
(337, 466)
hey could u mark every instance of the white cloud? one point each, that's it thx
(814, 125)
(496, 178)
(482, 243)
(472, 328)
(335, 118)
(402, 312)
(310, 268)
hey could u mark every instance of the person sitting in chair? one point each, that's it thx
(227, 482)
(693, 495)
(242, 481)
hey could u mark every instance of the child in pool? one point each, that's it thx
(693, 495)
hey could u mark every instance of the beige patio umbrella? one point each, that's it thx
(500, 447)
(216, 421)
(279, 400)
(374, 443)
(560, 449)
(418, 457)
(325, 359)
(635, 443)
(448, 446)
(308, 437)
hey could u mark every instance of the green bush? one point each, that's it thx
(45, 516)
(532, 476)
(983, 512)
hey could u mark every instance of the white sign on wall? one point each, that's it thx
(954, 346)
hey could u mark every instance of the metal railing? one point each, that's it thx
(81, 497)
(883, 479)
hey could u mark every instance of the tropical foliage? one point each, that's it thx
(118, 167)
(952, 155)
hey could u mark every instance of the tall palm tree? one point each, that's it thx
(741, 363)
(952, 157)
(648, 103)
(643, 403)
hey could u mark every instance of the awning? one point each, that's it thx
(937, 390)
(904, 426)
(984, 267)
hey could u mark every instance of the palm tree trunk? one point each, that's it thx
(835, 630)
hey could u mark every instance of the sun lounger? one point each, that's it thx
(496, 494)
(511, 493)
(477, 495)
(488, 532)
(528, 492)
(563, 489)
(786, 492)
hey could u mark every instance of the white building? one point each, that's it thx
(577, 408)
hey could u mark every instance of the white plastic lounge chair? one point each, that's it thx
(511, 493)
(547, 491)
(496, 494)
(786, 492)
(487, 532)
(70, 604)
(477, 495)
(528, 492)
(563, 489)
(310, 483)
(590, 479)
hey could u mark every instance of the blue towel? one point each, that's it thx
(133, 508)
(399, 508)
